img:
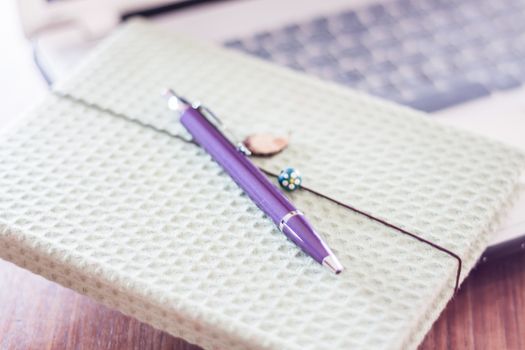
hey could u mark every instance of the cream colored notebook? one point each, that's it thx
(150, 225)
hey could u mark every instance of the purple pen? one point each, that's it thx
(205, 129)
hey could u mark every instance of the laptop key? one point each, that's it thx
(353, 51)
(502, 81)
(430, 100)
(350, 77)
(376, 14)
(350, 23)
(235, 44)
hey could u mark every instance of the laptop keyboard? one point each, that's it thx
(428, 54)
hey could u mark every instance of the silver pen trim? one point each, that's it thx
(287, 217)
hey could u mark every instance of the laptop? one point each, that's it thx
(462, 61)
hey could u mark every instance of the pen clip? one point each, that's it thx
(179, 103)
(226, 132)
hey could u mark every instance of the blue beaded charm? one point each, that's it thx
(290, 179)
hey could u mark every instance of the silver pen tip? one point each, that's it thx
(332, 263)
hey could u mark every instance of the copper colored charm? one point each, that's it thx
(265, 144)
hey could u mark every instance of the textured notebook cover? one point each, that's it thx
(150, 225)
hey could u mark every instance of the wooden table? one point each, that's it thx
(487, 313)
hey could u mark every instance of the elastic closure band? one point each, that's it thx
(392, 226)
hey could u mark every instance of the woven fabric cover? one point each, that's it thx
(150, 225)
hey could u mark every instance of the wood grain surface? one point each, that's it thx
(487, 313)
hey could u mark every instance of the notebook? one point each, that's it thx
(99, 193)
